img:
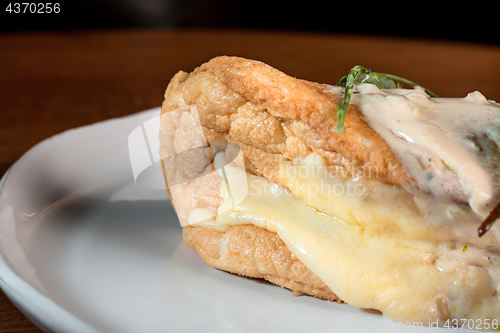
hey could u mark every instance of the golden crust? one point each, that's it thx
(274, 116)
(255, 252)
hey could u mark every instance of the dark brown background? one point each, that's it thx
(475, 22)
(54, 81)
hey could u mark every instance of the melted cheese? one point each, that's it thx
(374, 248)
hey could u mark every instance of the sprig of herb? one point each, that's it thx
(359, 74)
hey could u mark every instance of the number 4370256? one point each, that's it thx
(33, 8)
(478, 324)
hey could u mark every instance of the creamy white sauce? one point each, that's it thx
(449, 145)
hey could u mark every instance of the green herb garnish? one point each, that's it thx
(359, 74)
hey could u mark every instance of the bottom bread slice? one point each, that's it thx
(258, 253)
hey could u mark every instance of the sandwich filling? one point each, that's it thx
(412, 253)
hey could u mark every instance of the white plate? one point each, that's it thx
(85, 249)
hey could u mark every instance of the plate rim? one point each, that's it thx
(39, 308)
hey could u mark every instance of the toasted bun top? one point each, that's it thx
(273, 116)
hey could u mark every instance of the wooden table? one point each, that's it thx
(51, 82)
